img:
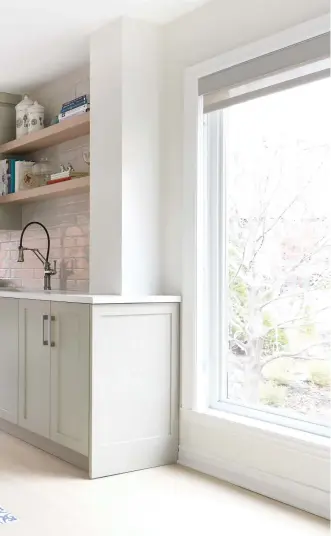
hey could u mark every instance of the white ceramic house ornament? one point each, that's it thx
(36, 114)
(22, 116)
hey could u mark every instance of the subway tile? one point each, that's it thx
(38, 243)
(21, 273)
(75, 252)
(4, 255)
(67, 221)
(15, 236)
(83, 219)
(9, 246)
(74, 231)
(55, 284)
(75, 241)
(80, 274)
(4, 237)
(37, 284)
(8, 263)
(82, 286)
(71, 285)
(82, 263)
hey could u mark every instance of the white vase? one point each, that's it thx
(36, 114)
(22, 109)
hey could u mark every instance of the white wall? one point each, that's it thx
(218, 26)
(125, 158)
(268, 461)
(62, 89)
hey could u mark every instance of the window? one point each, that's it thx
(267, 245)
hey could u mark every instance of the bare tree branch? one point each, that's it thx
(308, 256)
(296, 355)
(286, 209)
(293, 320)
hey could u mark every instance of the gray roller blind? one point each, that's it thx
(216, 87)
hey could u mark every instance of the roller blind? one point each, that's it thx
(294, 65)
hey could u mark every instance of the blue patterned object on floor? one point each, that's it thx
(6, 517)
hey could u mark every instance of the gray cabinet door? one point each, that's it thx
(70, 367)
(34, 366)
(9, 359)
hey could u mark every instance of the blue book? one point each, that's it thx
(76, 99)
(79, 101)
(12, 172)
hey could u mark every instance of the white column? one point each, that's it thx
(124, 249)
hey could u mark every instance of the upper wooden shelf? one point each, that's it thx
(70, 128)
(60, 189)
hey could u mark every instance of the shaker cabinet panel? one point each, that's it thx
(70, 363)
(34, 366)
(9, 359)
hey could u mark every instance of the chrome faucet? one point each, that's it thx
(48, 271)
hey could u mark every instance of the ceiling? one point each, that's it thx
(41, 39)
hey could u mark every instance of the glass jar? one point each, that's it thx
(42, 171)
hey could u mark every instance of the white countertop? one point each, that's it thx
(75, 297)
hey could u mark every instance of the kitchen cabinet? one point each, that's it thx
(54, 371)
(70, 363)
(34, 366)
(9, 359)
(134, 387)
(92, 379)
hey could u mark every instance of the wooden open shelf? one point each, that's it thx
(70, 128)
(60, 189)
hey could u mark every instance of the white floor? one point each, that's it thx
(52, 498)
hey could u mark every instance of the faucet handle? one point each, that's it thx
(54, 268)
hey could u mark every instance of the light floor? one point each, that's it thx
(52, 498)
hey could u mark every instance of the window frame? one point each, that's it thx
(196, 367)
(216, 279)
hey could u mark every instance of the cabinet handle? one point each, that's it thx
(45, 319)
(50, 331)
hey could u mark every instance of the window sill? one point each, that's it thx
(277, 431)
(289, 466)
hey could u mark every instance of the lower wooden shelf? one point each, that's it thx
(74, 186)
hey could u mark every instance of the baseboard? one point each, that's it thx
(295, 494)
(42, 443)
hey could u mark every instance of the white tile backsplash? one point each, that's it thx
(67, 220)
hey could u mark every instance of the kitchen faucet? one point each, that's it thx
(48, 271)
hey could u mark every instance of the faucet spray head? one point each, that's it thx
(20, 254)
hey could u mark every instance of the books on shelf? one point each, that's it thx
(22, 168)
(75, 111)
(72, 175)
(75, 106)
(67, 173)
(11, 170)
(55, 181)
(74, 103)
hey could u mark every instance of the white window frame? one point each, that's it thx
(215, 198)
(196, 363)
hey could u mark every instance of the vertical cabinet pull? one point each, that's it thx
(50, 331)
(45, 340)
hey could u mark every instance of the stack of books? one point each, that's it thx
(65, 176)
(77, 106)
(12, 175)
